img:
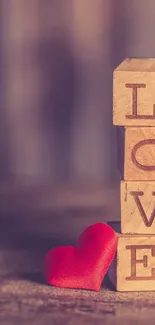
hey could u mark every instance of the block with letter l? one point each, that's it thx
(133, 268)
(133, 93)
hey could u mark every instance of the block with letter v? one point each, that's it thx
(138, 207)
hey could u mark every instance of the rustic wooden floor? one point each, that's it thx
(31, 222)
(26, 299)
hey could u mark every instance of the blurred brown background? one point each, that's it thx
(57, 143)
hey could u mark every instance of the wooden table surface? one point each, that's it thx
(26, 299)
(25, 237)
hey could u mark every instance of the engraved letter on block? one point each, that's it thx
(139, 157)
(133, 93)
(133, 268)
(138, 207)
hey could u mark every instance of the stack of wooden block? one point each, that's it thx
(134, 115)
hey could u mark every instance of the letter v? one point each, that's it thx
(147, 222)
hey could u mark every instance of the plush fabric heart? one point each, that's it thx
(85, 265)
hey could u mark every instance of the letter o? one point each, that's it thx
(134, 151)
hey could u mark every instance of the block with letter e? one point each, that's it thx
(133, 268)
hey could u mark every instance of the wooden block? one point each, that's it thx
(134, 93)
(139, 160)
(133, 268)
(138, 207)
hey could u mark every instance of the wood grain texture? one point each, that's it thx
(133, 93)
(139, 156)
(134, 266)
(138, 207)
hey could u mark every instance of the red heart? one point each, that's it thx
(85, 265)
